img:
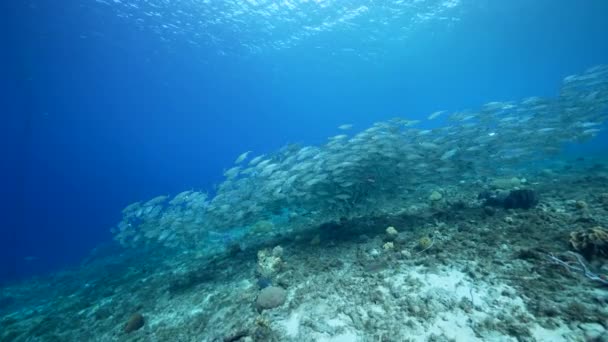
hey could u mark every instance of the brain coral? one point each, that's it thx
(271, 297)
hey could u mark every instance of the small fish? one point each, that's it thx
(373, 170)
(409, 123)
(449, 154)
(545, 130)
(588, 124)
(436, 114)
(428, 145)
(256, 160)
(232, 172)
(242, 157)
(591, 131)
(338, 137)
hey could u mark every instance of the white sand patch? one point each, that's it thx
(453, 325)
(291, 324)
(244, 284)
(318, 321)
(450, 285)
(375, 308)
(348, 336)
(561, 334)
(443, 291)
(339, 321)
(458, 286)
(345, 337)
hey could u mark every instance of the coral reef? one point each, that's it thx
(454, 273)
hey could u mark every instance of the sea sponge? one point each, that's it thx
(591, 242)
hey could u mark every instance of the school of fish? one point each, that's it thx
(372, 171)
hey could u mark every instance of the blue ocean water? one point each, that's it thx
(113, 107)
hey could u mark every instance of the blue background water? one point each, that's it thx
(107, 114)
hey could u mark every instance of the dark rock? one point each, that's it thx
(264, 282)
(236, 336)
(458, 205)
(6, 302)
(493, 198)
(521, 199)
(548, 309)
(586, 219)
(135, 323)
(529, 254)
(185, 282)
(489, 211)
(401, 240)
(234, 249)
(363, 238)
(514, 199)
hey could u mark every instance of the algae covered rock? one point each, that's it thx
(435, 196)
(391, 233)
(389, 246)
(591, 242)
(424, 243)
(270, 262)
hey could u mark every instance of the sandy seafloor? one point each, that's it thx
(486, 277)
